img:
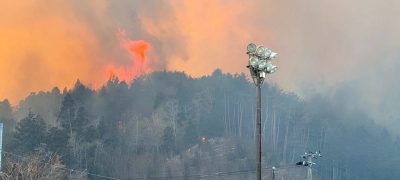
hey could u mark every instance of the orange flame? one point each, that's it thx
(137, 50)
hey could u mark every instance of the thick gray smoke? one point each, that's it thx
(347, 50)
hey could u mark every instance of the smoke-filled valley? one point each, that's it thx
(168, 124)
(159, 89)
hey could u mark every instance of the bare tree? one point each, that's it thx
(39, 166)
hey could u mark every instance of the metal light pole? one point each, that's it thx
(259, 65)
(258, 126)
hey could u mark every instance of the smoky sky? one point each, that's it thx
(54, 43)
(346, 50)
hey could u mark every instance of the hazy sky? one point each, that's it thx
(322, 44)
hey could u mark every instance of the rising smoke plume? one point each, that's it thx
(320, 43)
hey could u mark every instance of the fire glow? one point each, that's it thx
(137, 50)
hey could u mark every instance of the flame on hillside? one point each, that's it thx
(137, 50)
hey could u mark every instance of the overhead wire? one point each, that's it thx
(215, 174)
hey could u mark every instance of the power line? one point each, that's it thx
(200, 175)
(160, 177)
(216, 174)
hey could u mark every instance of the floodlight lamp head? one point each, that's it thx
(253, 61)
(267, 53)
(274, 69)
(273, 55)
(271, 69)
(262, 64)
(251, 48)
(261, 51)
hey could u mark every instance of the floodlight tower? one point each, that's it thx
(259, 65)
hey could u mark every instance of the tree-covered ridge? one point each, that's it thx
(169, 124)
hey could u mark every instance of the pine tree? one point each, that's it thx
(57, 141)
(67, 113)
(168, 141)
(30, 132)
(80, 123)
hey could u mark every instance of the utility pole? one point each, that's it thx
(308, 162)
(309, 173)
(259, 64)
(273, 172)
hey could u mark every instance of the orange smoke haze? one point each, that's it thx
(54, 43)
(44, 44)
(320, 43)
(216, 34)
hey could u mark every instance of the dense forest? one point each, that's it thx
(168, 124)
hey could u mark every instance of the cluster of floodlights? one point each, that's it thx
(260, 60)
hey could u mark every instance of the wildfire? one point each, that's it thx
(137, 50)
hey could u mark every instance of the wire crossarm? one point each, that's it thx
(308, 157)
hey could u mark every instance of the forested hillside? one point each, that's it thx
(167, 124)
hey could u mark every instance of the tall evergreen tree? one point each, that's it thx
(57, 141)
(67, 113)
(81, 121)
(30, 132)
(168, 141)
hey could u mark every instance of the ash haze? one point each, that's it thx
(348, 50)
(144, 89)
